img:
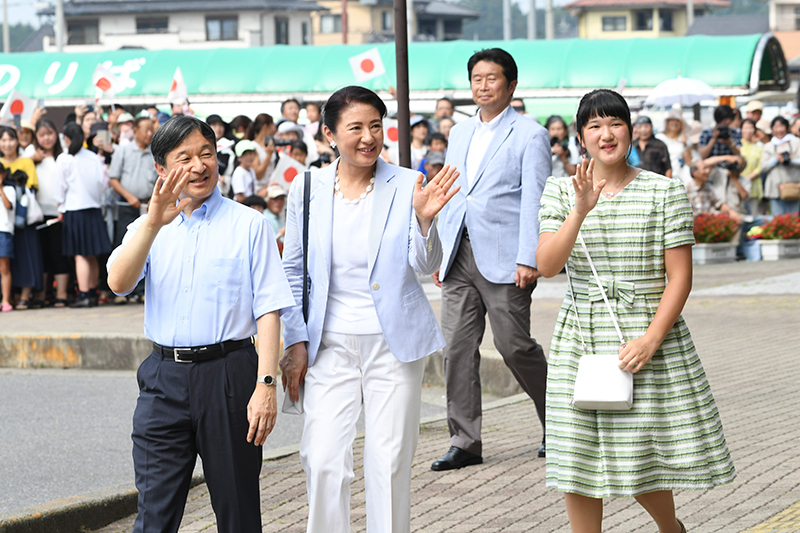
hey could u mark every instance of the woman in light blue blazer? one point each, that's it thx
(371, 230)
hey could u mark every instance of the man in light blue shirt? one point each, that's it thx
(214, 279)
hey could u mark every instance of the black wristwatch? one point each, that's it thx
(266, 380)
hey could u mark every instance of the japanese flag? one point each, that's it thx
(106, 82)
(391, 137)
(17, 104)
(286, 171)
(367, 65)
(178, 93)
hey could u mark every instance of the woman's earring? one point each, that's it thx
(333, 145)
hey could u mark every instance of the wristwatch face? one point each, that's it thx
(266, 380)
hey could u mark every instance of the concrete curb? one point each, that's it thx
(100, 508)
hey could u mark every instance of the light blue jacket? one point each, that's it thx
(501, 209)
(396, 252)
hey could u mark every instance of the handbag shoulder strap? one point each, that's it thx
(602, 291)
(306, 204)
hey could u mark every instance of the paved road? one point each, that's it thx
(749, 344)
(67, 432)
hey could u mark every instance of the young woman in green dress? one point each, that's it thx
(638, 230)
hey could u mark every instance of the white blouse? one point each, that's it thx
(350, 308)
(80, 182)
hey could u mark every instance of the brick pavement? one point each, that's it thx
(749, 346)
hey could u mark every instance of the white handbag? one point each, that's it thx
(600, 384)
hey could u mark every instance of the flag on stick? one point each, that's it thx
(178, 93)
(367, 65)
(17, 104)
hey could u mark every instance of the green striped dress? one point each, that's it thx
(672, 437)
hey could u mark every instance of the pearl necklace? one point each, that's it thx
(612, 193)
(363, 195)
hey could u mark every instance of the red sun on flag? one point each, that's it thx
(367, 66)
(103, 84)
(393, 134)
(174, 85)
(290, 174)
(17, 107)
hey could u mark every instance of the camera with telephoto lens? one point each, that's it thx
(724, 132)
(787, 158)
(563, 142)
(278, 142)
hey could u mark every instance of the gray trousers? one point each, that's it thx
(467, 297)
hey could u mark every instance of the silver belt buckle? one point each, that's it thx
(176, 353)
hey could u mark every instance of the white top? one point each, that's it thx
(417, 155)
(481, 138)
(7, 215)
(676, 149)
(244, 181)
(573, 158)
(80, 182)
(46, 172)
(262, 154)
(350, 309)
(29, 152)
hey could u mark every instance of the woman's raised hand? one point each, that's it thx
(429, 200)
(164, 205)
(586, 192)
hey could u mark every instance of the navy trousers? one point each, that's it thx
(186, 409)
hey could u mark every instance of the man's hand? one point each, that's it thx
(435, 277)
(163, 208)
(525, 276)
(294, 365)
(261, 413)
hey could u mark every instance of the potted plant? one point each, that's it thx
(781, 237)
(713, 233)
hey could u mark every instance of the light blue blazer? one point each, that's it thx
(396, 252)
(501, 209)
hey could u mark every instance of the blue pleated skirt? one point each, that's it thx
(85, 233)
(27, 267)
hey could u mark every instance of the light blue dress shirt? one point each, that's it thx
(209, 277)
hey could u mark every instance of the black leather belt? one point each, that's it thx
(465, 233)
(196, 354)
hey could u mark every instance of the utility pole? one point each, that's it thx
(401, 59)
(690, 13)
(344, 21)
(6, 40)
(506, 20)
(59, 29)
(409, 23)
(548, 20)
(532, 20)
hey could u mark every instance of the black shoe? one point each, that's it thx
(542, 449)
(456, 458)
(81, 303)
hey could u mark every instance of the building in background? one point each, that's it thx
(372, 21)
(626, 19)
(93, 25)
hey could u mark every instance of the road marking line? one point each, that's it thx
(787, 521)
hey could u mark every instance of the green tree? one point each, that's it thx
(17, 33)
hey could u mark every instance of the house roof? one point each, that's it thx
(103, 7)
(584, 4)
(446, 9)
(729, 25)
(34, 41)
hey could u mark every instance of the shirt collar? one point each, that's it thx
(495, 122)
(208, 209)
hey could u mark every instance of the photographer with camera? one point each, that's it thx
(721, 139)
(565, 153)
(780, 160)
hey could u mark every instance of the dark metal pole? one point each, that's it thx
(344, 21)
(401, 59)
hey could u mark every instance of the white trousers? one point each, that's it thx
(351, 371)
